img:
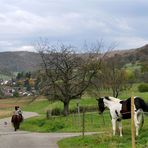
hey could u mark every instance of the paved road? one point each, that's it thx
(22, 139)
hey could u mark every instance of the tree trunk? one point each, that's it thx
(115, 93)
(66, 108)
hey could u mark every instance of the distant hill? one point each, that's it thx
(131, 55)
(19, 61)
(30, 61)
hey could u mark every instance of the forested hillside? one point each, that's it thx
(19, 61)
(30, 61)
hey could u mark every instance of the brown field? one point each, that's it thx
(5, 113)
(7, 105)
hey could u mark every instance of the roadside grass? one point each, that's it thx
(106, 140)
(72, 123)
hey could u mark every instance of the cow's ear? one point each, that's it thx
(97, 99)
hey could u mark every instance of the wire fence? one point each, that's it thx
(92, 121)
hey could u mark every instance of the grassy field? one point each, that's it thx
(105, 140)
(73, 123)
(41, 105)
(93, 122)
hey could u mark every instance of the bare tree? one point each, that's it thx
(67, 73)
(113, 76)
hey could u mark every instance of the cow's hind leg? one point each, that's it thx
(137, 121)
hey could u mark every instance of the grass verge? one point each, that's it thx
(104, 141)
(72, 123)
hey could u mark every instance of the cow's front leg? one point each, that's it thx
(114, 126)
(120, 127)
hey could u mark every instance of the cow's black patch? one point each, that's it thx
(107, 98)
(116, 113)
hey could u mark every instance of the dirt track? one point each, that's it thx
(22, 139)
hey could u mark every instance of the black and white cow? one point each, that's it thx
(121, 109)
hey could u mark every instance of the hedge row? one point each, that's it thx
(143, 87)
(58, 111)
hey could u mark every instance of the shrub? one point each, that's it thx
(15, 94)
(56, 111)
(143, 87)
(59, 111)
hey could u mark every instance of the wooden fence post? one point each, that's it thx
(132, 122)
(83, 123)
(78, 108)
(73, 120)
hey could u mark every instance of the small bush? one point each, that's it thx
(15, 94)
(143, 87)
(58, 111)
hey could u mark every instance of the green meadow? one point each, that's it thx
(73, 123)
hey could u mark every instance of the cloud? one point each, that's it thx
(25, 48)
(130, 42)
(22, 22)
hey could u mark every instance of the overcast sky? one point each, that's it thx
(22, 22)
